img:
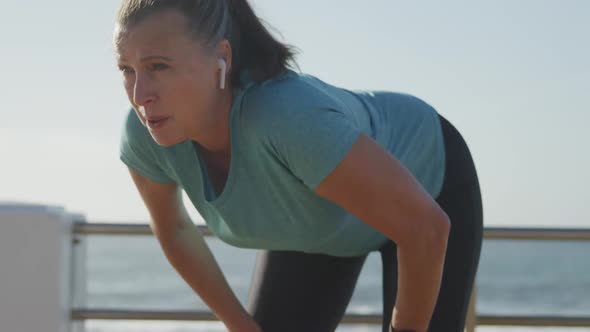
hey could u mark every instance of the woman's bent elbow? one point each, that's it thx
(430, 231)
(441, 228)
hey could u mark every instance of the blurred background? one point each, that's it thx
(513, 76)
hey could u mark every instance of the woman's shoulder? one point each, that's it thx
(135, 135)
(140, 152)
(133, 129)
(290, 94)
(286, 87)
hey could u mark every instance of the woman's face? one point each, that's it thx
(170, 80)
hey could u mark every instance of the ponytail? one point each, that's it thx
(253, 47)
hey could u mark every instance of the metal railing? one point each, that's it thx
(490, 233)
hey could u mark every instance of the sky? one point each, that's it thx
(512, 76)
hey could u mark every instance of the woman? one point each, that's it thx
(315, 176)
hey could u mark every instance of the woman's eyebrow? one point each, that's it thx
(155, 57)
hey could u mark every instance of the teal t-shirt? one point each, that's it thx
(287, 135)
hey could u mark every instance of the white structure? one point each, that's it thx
(37, 279)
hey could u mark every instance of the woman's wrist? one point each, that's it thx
(243, 322)
(392, 329)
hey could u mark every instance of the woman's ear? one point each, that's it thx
(224, 52)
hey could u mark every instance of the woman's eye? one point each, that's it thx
(158, 66)
(126, 70)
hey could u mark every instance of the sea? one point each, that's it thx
(515, 277)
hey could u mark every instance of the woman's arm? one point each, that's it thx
(374, 186)
(188, 253)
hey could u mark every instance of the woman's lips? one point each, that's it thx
(155, 123)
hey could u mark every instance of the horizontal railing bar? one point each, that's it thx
(516, 233)
(114, 314)
(482, 320)
(490, 233)
(556, 321)
(99, 228)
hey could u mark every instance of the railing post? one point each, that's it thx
(35, 257)
(78, 274)
(471, 322)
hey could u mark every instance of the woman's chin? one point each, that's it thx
(164, 141)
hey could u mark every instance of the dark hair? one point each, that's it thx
(210, 21)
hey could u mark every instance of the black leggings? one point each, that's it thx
(294, 291)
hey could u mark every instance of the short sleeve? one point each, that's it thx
(136, 150)
(311, 142)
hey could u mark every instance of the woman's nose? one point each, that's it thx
(143, 91)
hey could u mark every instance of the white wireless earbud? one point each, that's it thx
(223, 67)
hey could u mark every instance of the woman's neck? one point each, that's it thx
(216, 141)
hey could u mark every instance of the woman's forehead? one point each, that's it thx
(163, 34)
